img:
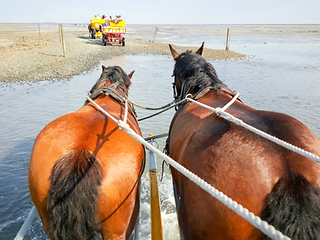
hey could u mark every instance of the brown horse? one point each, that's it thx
(274, 183)
(84, 171)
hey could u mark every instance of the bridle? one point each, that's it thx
(183, 90)
(202, 91)
(115, 92)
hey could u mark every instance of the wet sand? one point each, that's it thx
(26, 56)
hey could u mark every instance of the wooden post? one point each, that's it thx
(39, 29)
(156, 223)
(227, 45)
(155, 34)
(63, 45)
(59, 32)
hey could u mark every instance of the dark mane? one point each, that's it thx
(116, 75)
(195, 73)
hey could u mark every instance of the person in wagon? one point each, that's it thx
(107, 21)
(118, 19)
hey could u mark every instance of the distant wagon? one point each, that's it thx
(113, 33)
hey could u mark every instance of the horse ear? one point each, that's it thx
(200, 50)
(131, 74)
(103, 68)
(174, 53)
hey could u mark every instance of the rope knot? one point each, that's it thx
(218, 111)
(189, 95)
(122, 125)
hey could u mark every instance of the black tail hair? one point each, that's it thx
(293, 207)
(72, 197)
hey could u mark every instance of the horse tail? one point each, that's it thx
(72, 197)
(293, 207)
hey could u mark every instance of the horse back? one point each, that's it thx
(120, 156)
(88, 129)
(207, 130)
(241, 164)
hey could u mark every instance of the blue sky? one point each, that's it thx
(163, 11)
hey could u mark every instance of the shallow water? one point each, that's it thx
(282, 76)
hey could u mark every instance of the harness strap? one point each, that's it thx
(112, 92)
(202, 93)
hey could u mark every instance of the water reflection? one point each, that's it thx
(284, 86)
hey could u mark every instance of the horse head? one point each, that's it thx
(111, 76)
(192, 73)
(114, 75)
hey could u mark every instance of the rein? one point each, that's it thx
(111, 91)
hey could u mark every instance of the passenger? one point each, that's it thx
(118, 19)
(107, 20)
(107, 23)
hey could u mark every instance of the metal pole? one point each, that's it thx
(27, 223)
(156, 136)
(137, 226)
(156, 224)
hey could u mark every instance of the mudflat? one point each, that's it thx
(30, 55)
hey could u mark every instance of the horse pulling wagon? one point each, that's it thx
(113, 33)
(277, 185)
(95, 28)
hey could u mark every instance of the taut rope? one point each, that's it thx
(227, 116)
(267, 229)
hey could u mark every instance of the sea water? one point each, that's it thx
(282, 74)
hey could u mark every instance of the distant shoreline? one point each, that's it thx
(26, 56)
(237, 24)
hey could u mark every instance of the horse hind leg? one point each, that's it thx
(72, 197)
(293, 207)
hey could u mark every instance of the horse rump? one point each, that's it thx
(72, 197)
(293, 208)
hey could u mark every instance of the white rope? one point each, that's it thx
(231, 102)
(221, 113)
(240, 210)
(126, 111)
(102, 110)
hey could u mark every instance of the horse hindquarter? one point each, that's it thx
(72, 197)
(219, 154)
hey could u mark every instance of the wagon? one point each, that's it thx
(113, 33)
(95, 27)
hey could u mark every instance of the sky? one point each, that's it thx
(163, 11)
